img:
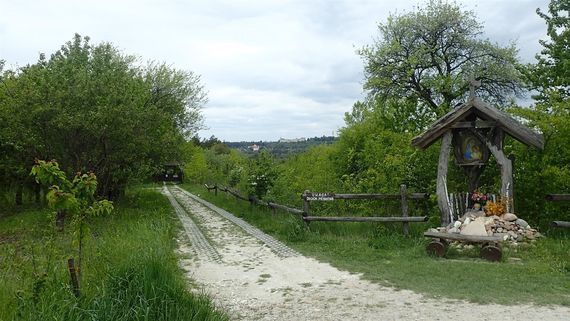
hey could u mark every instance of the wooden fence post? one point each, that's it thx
(404, 199)
(273, 209)
(73, 276)
(306, 205)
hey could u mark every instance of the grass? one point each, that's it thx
(539, 273)
(130, 271)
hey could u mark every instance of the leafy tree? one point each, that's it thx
(547, 171)
(550, 76)
(93, 108)
(312, 170)
(422, 62)
(262, 173)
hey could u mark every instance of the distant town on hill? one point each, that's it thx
(283, 147)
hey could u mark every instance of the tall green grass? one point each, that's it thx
(130, 271)
(538, 273)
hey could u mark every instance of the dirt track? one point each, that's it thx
(255, 277)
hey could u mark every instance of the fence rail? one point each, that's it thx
(308, 197)
(367, 219)
(403, 196)
(559, 198)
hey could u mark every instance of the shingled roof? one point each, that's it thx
(489, 117)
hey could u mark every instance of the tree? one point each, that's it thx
(95, 109)
(550, 76)
(427, 57)
(262, 173)
(547, 171)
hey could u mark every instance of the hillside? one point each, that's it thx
(281, 148)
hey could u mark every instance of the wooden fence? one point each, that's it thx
(403, 196)
(309, 197)
(559, 198)
(254, 200)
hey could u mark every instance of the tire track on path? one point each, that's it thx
(199, 242)
(277, 246)
(254, 281)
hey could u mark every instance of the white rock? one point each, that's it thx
(457, 224)
(522, 223)
(509, 217)
(467, 221)
(476, 227)
(453, 230)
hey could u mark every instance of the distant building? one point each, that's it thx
(254, 147)
(292, 140)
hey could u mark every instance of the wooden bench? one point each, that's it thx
(490, 245)
(561, 224)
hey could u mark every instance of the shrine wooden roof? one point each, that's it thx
(488, 116)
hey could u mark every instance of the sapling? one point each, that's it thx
(75, 198)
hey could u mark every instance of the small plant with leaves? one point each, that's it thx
(75, 197)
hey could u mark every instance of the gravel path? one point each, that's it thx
(256, 277)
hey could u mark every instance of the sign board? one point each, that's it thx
(319, 197)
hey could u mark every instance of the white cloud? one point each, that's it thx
(272, 68)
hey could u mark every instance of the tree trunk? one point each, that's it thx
(60, 220)
(19, 193)
(442, 179)
(38, 193)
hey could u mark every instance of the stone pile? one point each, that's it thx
(508, 226)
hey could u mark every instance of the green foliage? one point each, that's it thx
(132, 271)
(423, 61)
(75, 197)
(313, 170)
(549, 76)
(282, 149)
(93, 108)
(261, 175)
(547, 171)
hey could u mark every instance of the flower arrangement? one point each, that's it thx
(495, 208)
(478, 197)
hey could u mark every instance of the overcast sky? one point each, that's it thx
(272, 68)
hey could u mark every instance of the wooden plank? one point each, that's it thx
(441, 126)
(372, 196)
(306, 205)
(367, 219)
(285, 208)
(404, 200)
(366, 196)
(514, 128)
(562, 224)
(441, 188)
(465, 238)
(485, 111)
(475, 124)
(558, 197)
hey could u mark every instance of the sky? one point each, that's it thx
(272, 68)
